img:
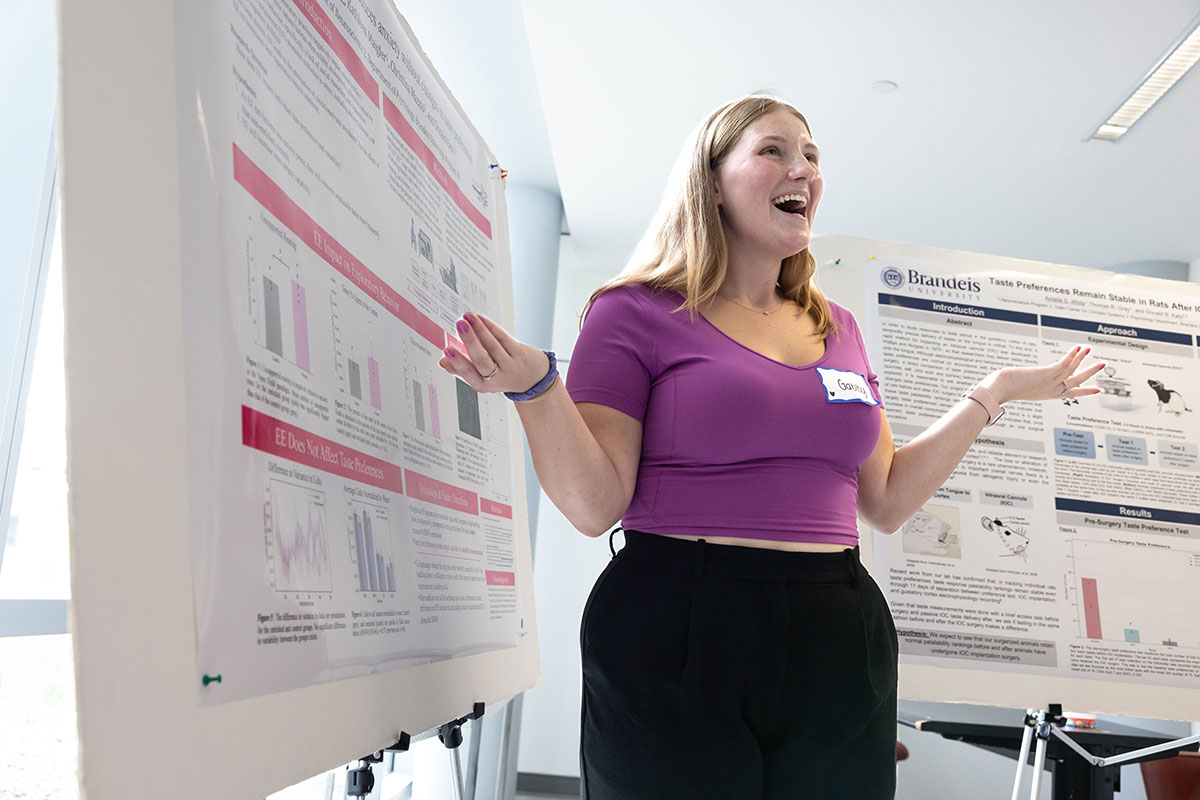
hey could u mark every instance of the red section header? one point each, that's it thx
(275, 200)
(431, 490)
(439, 173)
(341, 48)
(278, 438)
(494, 508)
(495, 578)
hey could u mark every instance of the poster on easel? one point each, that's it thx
(1060, 561)
(352, 505)
(1067, 542)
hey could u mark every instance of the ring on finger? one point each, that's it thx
(1065, 389)
(496, 368)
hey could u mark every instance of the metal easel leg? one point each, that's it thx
(473, 760)
(456, 773)
(1026, 738)
(1039, 763)
(505, 739)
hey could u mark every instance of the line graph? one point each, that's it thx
(297, 538)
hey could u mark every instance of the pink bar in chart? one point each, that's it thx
(434, 423)
(373, 378)
(300, 323)
(1091, 608)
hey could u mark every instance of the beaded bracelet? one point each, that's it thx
(541, 385)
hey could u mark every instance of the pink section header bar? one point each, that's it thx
(439, 173)
(278, 438)
(275, 200)
(495, 578)
(431, 490)
(341, 48)
(494, 508)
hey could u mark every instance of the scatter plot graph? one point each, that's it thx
(371, 547)
(298, 539)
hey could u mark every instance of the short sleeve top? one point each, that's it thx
(733, 443)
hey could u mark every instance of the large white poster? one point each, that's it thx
(1067, 543)
(352, 504)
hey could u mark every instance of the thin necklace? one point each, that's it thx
(782, 303)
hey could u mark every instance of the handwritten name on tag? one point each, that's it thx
(843, 386)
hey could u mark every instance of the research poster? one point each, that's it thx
(1067, 542)
(352, 504)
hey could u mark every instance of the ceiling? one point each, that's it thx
(981, 148)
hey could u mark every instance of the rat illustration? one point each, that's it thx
(1169, 399)
(1014, 538)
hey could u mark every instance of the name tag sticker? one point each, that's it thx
(843, 386)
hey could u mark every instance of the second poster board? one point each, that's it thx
(1061, 560)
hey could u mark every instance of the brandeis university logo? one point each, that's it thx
(895, 278)
(892, 278)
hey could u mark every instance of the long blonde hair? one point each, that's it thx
(684, 249)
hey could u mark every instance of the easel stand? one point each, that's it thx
(1046, 723)
(361, 779)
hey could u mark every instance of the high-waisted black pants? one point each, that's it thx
(715, 671)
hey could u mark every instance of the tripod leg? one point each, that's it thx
(1026, 737)
(456, 773)
(502, 767)
(1039, 764)
(473, 759)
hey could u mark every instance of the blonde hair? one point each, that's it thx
(684, 249)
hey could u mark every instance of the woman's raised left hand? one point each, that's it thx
(1061, 380)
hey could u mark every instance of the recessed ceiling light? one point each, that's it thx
(1170, 68)
(883, 87)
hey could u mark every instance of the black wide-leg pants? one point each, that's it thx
(715, 671)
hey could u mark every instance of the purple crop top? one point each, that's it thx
(733, 443)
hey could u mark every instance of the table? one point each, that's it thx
(999, 730)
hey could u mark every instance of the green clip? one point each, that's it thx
(210, 679)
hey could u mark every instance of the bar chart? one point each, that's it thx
(354, 378)
(371, 547)
(281, 323)
(355, 330)
(1123, 588)
(421, 392)
(297, 538)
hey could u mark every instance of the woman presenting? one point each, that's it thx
(723, 410)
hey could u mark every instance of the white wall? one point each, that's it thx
(565, 562)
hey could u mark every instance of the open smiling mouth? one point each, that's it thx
(792, 204)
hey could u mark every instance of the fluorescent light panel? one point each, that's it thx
(1162, 78)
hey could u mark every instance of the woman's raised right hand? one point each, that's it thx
(494, 361)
